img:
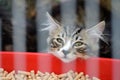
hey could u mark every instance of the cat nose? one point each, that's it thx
(65, 52)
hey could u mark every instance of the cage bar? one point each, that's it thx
(91, 19)
(19, 25)
(19, 31)
(68, 14)
(41, 7)
(0, 35)
(115, 36)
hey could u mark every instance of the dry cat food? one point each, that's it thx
(23, 75)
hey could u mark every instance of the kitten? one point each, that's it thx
(68, 44)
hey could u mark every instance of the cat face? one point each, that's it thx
(67, 44)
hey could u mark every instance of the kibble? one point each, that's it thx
(24, 75)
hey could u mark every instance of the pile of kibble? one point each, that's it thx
(24, 75)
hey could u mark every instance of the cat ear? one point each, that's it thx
(97, 31)
(51, 23)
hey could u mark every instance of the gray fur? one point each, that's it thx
(67, 44)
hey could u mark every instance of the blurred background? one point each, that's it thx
(20, 22)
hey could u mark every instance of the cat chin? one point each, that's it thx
(64, 59)
(67, 60)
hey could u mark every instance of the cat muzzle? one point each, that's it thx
(65, 52)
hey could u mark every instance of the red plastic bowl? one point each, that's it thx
(103, 68)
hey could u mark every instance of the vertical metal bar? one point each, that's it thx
(92, 12)
(92, 17)
(68, 13)
(19, 31)
(115, 28)
(0, 35)
(115, 36)
(42, 6)
(40, 19)
(19, 25)
(0, 42)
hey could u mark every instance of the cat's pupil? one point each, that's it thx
(59, 40)
(79, 31)
(76, 37)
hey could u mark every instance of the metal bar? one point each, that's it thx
(91, 19)
(19, 25)
(42, 6)
(115, 28)
(0, 35)
(40, 19)
(115, 36)
(68, 13)
(19, 32)
(91, 12)
(0, 42)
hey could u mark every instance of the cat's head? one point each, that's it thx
(67, 43)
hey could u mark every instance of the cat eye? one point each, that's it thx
(78, 44)
(56, 42)
(59, 40)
